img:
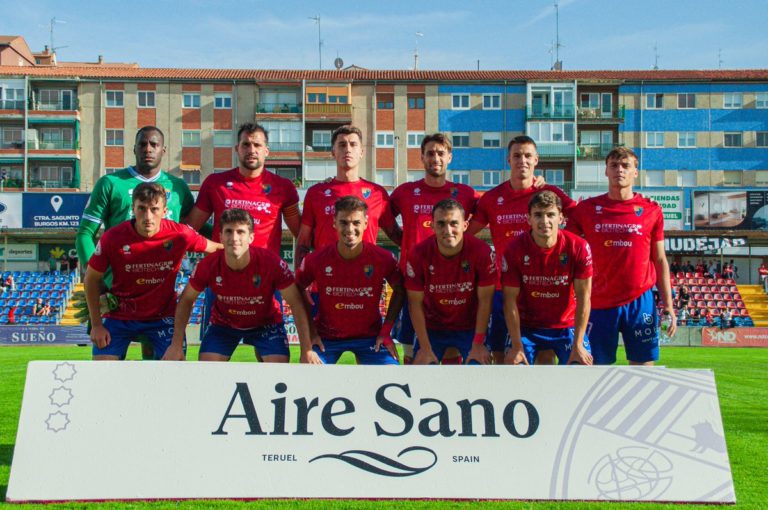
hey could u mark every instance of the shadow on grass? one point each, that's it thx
(6, 453)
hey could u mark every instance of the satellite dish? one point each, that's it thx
(338, 63)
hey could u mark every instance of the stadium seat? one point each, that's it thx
(744, 312)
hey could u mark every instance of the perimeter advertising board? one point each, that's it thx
(10, 210)
(734, 337)
(53, 210)
(234, 430)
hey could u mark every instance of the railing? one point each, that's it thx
(64, 105)
(555, 149)
(318, 148)
(562, 112)
(52, 145)
(38, 184)
(343, 109)
(11, 145)
(278, 108)
(285, 146)
(597, 151)
(11, 104)
(597, 115)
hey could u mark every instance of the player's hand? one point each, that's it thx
(425, 357)
(538, 181)
(579, 356)
(174, 353)
(310, 357)
(388, 344)
(100, 336)
(672, 329)
(480, 354)
(316, 340)
(515, 356)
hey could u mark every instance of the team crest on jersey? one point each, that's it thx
(168, 245)
(368, 270)
(167, 195)
(266, 188)
(126, 249)
(638, 210)
(417, 191)
(454, 192)
(256, 280)
(328, 271)
(366, 193)
(465, 266)
(563, 259)
(229, 185)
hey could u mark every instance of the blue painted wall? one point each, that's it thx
(703, 159)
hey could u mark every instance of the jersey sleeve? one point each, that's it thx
(486, 266)
(583, 267)
(575, 218)
(394, 202)
(481, 215)
(387, 219)
(283, 275)
(568, 202)
(391, 271)
(195, 241)
(204, 202)
(201, 274)
(100, 258)
(93, 216)
(657, 234)
(308, 214)
(186, 198)
(305, 275)
(414, 276)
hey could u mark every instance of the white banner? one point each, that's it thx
(13, 251)
(142, 430)
(10, 210)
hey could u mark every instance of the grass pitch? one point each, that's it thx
(742, 383)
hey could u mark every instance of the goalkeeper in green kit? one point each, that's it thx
(110, 203)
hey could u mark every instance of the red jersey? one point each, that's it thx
(413, 201)
(349, 289)
(264, 197)
(244, 298)
(144, 269)
(319, 209)
(622, 235)
(450, 284)
(545, 278)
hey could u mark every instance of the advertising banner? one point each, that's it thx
(235, 430)
(737, 209)
(43, 335)
(10, 210)
(671, 203)
(53, 210)
(698, 245)
(18, 252)
(734, 337)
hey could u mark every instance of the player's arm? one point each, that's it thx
(211, 247)
(292, 218)
(475, 226)
(197, 218)
(425, 356)
(175, 351)
(582, 287)
(91, 220)
(479, 351)
(303, 244)
(515, 355)
(662, 283)
(92, 284)
(396, 301)
(394, 232)
(296, 300)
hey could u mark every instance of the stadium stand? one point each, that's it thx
(53, 287)
(716, 295)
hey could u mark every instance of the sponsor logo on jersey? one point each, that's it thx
(506, 219)
(542, 280)
(240, 300)
(617, 243)
(423, 208)
(619, 228)
(149, 281)
(453, 302)
(545, 295)
(451, 288)
(366, 193)
(427, 224)
(256, 280)
(368, 270)
(349, 306)
(349, 291)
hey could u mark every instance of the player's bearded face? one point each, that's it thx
(436, 158)
(350, 227)
(236, 239)
(252, 150)
(148, 216)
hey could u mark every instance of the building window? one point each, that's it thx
(321, 141)
(108, 171)
(413, 175)
(191, 176)
(761, 139)
(733, 100)
(654, 101)
(385, 177)
(316, 98)
(686, 139)
(686, 101)
(191, 101)
(114, 137)
(460, 140)
(733, 140)
(284, 135)
(145, 99)
(460, 101)
(654, 139)
(554, 176)
(551, 131)
(491, 178)
(761, 100)
(761, 177)
(114, 99)
(385, 102)
(222, 101)
(223, 139)
(491, 140)
(686, 178)
(491, 101)
(460, 177)
(337, 99)
(415, 102)
(732, 178)
(385, 139)
(414, 139)
(654, 178)
(190, 138)
(13, 138)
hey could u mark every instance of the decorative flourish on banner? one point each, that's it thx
(380, 464)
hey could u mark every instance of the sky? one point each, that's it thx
(461, 35)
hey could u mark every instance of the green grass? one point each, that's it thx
(742, 383)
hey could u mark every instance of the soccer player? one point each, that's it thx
(450, 279)
(350, 276)
(505, 210)
(144, 254)
(244, 279)
(317, 220)
(541, 270)
(413, 202)
(626, 233)
(110, 201)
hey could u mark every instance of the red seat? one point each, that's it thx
(715, 312)
(721, 304)
(708, 296)
(689, 275)
(680, 274)
(722, 281)
(718, 297)
(744, 312)
(733, 288)
(740, 305)
(732, 304)
(701, 304)
(711, 281)
(695, 288)
(705, 288)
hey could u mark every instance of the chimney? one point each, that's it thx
(101, 59)
(45, 50)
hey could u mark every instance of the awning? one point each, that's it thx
(189, 168)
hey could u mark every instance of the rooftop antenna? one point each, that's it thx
(558, 65)
(719, 59)
(50, 30)
(316, 19)
(416, 52)
(656, 57)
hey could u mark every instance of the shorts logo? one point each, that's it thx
(168, 320)
(454, 192)
(647, 318)
(638, 211)
(256, 280)
(266, 188)
(563, 259)
(328, 271)
(229, 185)
(366, 193)
(368, 270)
(409, 270)
(168, 245)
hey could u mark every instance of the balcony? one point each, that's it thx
(11, 145)
(11, 104)
(318, 148)
(556, 150)
(285, 146)
(68, 145)
(278, 108)
(596, 151)
(597, 116)
(557, 112)
(326, 112)
(63, 105)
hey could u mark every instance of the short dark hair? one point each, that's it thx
(449, 204)
(350, 203)
(149, 129)
(440, 138)
(545, 199)
(521, 139)
(250, 128)
(621, 153)
(346, 129)
(236, 216)
(148, 192)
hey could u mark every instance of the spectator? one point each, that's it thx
(700, 267)
(674, 268)
(683, 316)
(762, 272)
(10, 283)
(689, 267)
(734, 270)
(726, 319)
(12, 314)
(186, 266)
(72, 261)
(709, 318)
(727, 270)
(695, 317)
(712, 270)
(52, 263)
(41, 309)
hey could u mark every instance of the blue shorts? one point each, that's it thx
(559, 340)
(497, 327)
(268, 340)
(159, 333)
(362, 348)
(205, 319)
(638, 323)
(441, 340)
(405, 333)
